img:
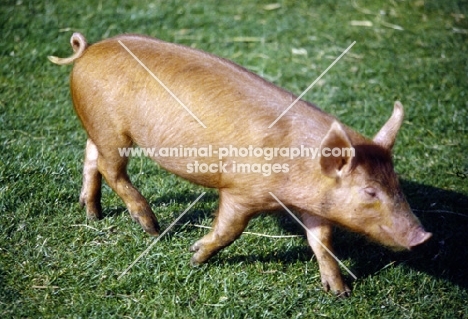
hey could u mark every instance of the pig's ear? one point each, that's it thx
(332, 161)
(387, 134)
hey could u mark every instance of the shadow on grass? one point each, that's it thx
(185, 199)
(444, 256)
(8, 294)
(180, 198)
(291, 256)
(442, 212)
(445, 214)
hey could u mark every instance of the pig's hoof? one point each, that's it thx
(199, 257)
(149, 224)
(194, 262)
(93, 213)
(339, 289)
(152, 229)
(93, 216)
(82, 202)
(195, 247)
(343, 294)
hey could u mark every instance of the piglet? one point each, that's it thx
(136, 90)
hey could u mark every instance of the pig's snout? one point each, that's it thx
(406, 240)
(418, 237)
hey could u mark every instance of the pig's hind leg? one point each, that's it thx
(113, 167)
(231, 220)
(90, 195)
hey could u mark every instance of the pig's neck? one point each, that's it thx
(309, 125)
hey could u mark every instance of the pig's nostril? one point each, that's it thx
(419, 236)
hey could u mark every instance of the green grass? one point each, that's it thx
(54, 263)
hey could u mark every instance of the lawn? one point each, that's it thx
(55, 263)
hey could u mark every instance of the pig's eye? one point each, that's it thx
(371, 192)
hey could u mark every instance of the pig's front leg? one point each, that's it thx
(329, 269)
(231, 220)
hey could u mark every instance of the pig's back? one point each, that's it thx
(235, 105)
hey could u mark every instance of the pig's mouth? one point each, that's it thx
(405, 241)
